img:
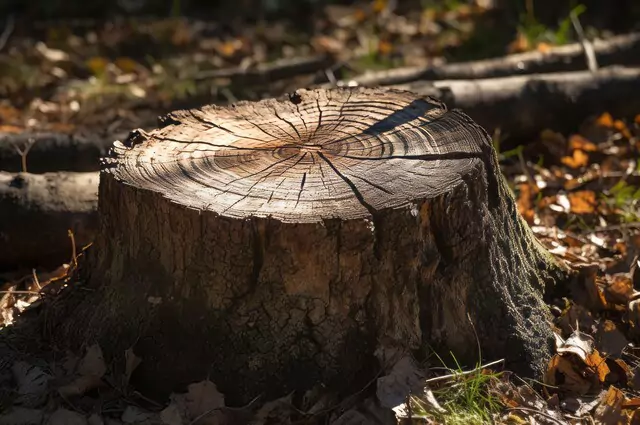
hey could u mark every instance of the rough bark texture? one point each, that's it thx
(619, 50)
(276, 244)
(522, 106)
(36, 213)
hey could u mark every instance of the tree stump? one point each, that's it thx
(273, 245)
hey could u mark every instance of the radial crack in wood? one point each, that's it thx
(274, 245)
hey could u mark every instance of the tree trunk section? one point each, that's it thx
(38, 210)
(277, 244)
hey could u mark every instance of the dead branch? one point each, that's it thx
(38, 210)
(522, 106)
(623, 50)
(52, 151)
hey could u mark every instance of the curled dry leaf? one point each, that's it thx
(202, 401)
(577, 368)
(609, 339)
(609, 410)
(404, 378)
(578, 159)
(89, 374)
(619, 289)
(171, 415)
(582, 202)
(576, 317)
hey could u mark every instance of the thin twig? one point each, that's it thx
(8, 29)
(468, 372)
(20, 292)
(35, 279)
(23, 152)
(587, 46)
(208, 412)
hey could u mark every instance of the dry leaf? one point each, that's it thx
(97, 65)
(562, 373)
(134, 414)
(610, 340)
(577, 160)
(66, 417)
(22, 416)
(33, 384)
(577, 141)
(605, 120)
(126, 65)
(90, 371)
(95, 419)
(582, 202)
(276, 411)
(576, 317)
(131, 363)
(404, 378)
(609, 410)
(620, 289)
(93, 362)
(202, 400)
(171, 415)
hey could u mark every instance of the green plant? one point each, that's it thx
(464, 396)
(626, 199)
(536, 32)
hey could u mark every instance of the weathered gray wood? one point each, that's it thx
(522, 106)
(273, 245)
(38, 210)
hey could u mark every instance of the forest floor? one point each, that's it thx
(579, 192)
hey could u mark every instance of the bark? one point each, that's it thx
(522, 106)
(53, 151)
(278, 244)
(36, 213)
(620, 50)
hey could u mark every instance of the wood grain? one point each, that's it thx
(306, 157)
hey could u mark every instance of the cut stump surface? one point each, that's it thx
(277, 244)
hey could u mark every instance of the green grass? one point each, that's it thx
(535, 32)
(465, 397)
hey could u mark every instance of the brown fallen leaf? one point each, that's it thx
(89, 373)
(564, 374)
(609, 410)
(605, 120)
(578, 159)
(576, 141)
(202, 403)
(619, 289)
(582, 202)
(609, 339)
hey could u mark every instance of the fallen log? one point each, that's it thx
(274, 245)
(53, 151)
(38, 210)
(620, 50)
(522, 106)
